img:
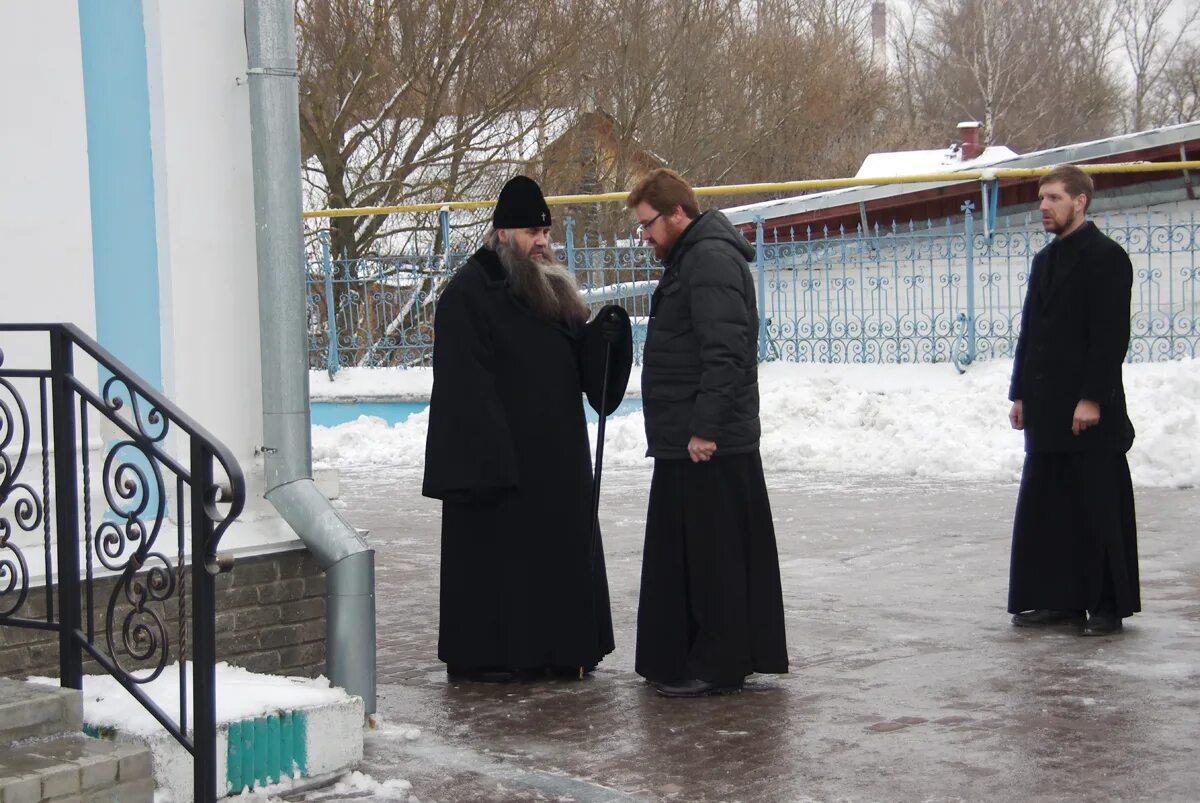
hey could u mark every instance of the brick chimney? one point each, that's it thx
(879, 36)
(971, 147)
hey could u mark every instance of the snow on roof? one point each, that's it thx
(1065, 154)
(913, 163)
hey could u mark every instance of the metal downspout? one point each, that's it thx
(275, 143)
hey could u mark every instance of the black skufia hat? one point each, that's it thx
(521, 205)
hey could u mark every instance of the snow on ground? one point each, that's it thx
(370, 383)
(244, 695)
(879, 420)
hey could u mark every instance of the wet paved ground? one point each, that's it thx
(907, 682)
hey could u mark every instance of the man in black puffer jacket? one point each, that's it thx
(711, 606)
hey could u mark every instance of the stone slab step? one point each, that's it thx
(30, 711)
(75, 767)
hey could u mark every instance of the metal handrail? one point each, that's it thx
(136, 645)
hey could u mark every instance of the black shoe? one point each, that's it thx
(484, 674)
(1044, 617)
(1102, 624)
(694, 688)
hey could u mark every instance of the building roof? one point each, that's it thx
(931, 199)
(915, 163)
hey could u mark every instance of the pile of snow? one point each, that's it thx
(879, 420)
(241, 695)
(359, 785)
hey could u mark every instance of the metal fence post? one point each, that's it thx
(569, 241)
(66, 512)
(331, 349)
(969, 233)
(761, 270)
(204, 636)
(444, 225)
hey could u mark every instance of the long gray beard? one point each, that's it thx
(544, 286)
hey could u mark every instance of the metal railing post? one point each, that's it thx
(204, 637)
(969, 233)
(331, 336)
(761, 269)
(444, 226)
(66, 512)
(569, 241)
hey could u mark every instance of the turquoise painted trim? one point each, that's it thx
(266, 750)
(274, 766)
(121, 173)
(331, 414)
(234, 751)
(300, 741)
(286, 747)
(261, 750)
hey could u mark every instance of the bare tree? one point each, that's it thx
(1152, 38)
(1034, 75)
(1175, 96)
(421, 100)
(735, 92)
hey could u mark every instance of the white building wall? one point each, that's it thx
(45, 228)
(205, 202)
(204, 217)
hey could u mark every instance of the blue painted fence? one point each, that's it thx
(938, 291)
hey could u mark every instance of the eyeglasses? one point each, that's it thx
(641, 229)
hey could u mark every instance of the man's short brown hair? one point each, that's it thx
(664, 189)
(1074, 181)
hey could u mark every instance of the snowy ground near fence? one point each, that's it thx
(370, 383)
(878, 420)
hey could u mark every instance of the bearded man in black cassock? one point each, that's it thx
(523, 586)
(1074, 549)
(711, 605)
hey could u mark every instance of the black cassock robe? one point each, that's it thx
(1075, 535)
(507, 453)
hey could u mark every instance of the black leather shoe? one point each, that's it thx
(694, 688)
(483, 674)
(1102, 624)
(1044, 617)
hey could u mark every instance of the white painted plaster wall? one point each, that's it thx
(196, 54)
(45, 217)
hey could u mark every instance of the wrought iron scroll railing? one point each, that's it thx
(112, 504)
(934, 291)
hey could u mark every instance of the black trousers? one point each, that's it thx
(1074, 541)
(711, 605)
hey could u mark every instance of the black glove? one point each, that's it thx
(611, 329)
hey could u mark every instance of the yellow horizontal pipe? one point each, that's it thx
(781, 186)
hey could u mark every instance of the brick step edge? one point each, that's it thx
(75, 767)
(32, 711)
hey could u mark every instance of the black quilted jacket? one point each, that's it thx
(700, 370)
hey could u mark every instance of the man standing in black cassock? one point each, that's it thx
(711, 606)
(1074, 549)
(523, 587)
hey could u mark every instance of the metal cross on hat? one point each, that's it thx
(544, 216)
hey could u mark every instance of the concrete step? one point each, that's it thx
(75, 768)
(31, 711)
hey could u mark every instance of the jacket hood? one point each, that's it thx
(711, 225)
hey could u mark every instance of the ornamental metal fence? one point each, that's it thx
(935, 291)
